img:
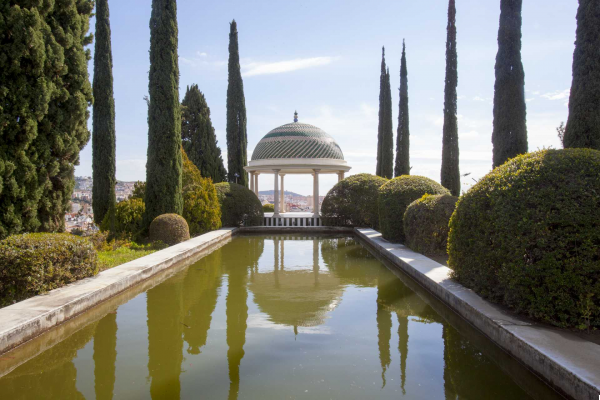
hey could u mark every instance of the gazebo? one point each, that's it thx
(295, 148)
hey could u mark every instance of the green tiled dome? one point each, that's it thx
(297, 140)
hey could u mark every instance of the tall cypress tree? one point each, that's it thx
(237, 139)
(45, 94)
(450, 170)
(198, 135)
(163, 168)
(103, 137)
(583, 125)
(402, 142)
(509, 135)
(385, 136)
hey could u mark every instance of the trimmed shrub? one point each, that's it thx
(394, 198)
(426, 223)
(201, 207)
(527, 235)
(239, 205)
(353, 202)
(36, 263)
(268, 207)
(125, 220)
(170, 229)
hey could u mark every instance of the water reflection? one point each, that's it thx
(222, 327)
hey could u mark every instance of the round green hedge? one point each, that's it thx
(395, 196)
(36, 263)
(239, 205)
(353, 202)
(527, 235)
(170, 229)
(426, 223)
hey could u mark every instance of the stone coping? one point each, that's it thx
(567, 362)
(29, 318)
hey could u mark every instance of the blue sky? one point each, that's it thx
(323, 58)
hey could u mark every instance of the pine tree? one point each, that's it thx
(45, 94)
(385, 136)
(450, 178)
(509, 135)
(198, 136)
(402, 142)
(163, 168)
(583, 125)
(237, 139)
(103, 137)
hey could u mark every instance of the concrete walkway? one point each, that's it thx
(567, 362)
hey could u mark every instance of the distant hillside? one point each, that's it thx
(270, 192)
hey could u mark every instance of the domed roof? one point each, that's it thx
(297, 140)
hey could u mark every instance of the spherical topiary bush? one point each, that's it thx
(527, 235)
(396, 195)
(170, 229)
(353, 202)
(426, 223)
(239, 205)
(36, 263)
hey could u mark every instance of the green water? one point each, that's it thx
(272, 318)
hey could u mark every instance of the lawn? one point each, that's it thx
(112, 258)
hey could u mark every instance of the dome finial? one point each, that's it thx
(295, 116)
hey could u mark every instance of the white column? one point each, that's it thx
(316, 192)
(340, 176)
(256, 183)
(276, 192)
(282, 206)
(252, 180)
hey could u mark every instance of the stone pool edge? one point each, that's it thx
(32, 317)
(565, 361)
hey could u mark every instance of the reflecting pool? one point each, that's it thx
(286, 317)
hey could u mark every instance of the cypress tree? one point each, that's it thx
(103, 137)
(45, 93)
(509, 135)
(198, 135)
(450, 178)
(385, 136)
(583, 125)
(237, 140)
(163, 168)
(402, 142)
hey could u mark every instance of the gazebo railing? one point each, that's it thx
(284, 220)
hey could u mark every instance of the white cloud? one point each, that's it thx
(557, 95)
(477, 98)
(261, 68)
(201, 54)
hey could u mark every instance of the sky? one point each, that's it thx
(323, 59)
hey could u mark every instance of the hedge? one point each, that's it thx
(36, 263)
(239, 205)
(125, 220)
(353, 202)
(426, 223)
(268, 207)
(394, 198)
(201, 208)
(170, 229)
(527, 235)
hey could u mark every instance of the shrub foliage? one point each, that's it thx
(239, 205)
(426, 223)
(394, 198)
(170, 229)
(201, 207)
(126, 219)
(268, 207)
(527, 235)
(353, 202)
(35, 263)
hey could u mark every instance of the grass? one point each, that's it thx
(112, 258)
